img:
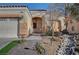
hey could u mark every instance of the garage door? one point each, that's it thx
(8, 28)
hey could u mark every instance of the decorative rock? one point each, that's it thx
(68, 46)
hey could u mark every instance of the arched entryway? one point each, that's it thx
(37, 24)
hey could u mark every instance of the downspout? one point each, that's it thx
(18, 29)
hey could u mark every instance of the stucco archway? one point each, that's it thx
(37, 24)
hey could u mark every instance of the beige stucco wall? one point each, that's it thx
(74, 24)
(62, 20)
(28, 19)
(45, 18)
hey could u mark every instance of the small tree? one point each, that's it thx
(55, 11)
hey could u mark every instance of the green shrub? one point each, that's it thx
(39, 48)
(49, 33)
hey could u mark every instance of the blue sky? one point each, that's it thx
(37, 6)
(34, 6)
(44, 6)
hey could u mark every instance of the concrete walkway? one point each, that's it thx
(30, 42)
(34, 38)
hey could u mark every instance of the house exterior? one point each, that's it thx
(15, 21)
(41, 21)
(59, 24)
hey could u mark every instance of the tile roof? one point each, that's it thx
(10, 15)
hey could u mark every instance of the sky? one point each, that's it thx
(44, 6)
(37, 6)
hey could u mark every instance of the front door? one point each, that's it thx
(37, 25)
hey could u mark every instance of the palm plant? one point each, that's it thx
(72, 10)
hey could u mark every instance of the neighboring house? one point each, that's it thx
(72, 25)
(15, 21)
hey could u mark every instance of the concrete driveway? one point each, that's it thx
(29, 43)
(5, 41)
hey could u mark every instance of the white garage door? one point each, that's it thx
(8, 28)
